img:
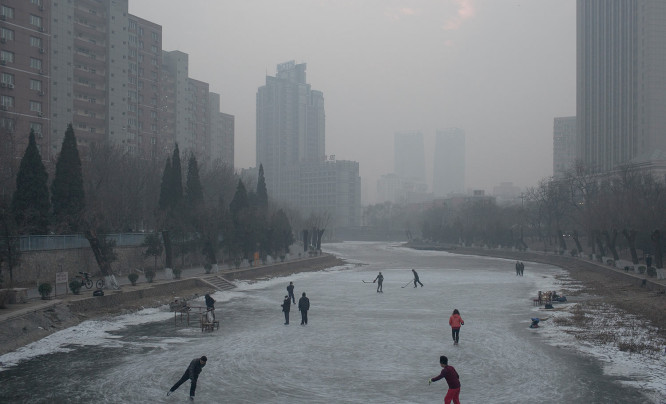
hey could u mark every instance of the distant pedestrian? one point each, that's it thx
(379, 279)
(517, 268)
(452, 379)
(210, 306)
(303, 307)
(290, 289)
(455, 321)
(286, 306)
(416, 278)
(522, 268)
(192, 373)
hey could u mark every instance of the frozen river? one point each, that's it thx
(359, 346)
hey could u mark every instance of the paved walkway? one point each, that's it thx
(35, 303)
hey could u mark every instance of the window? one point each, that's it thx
(153, 49)
(132, 39)
(37, 2)
(156, 36)
(7, 12)
(36, 42)
(36, 20)
(140, 30)
(6, 34)
(7, 101)
(153, 114)
(35, 106)
(132, 24)
(36, 63)
(7, 78)
(7, 124)
(37, 127)
(7, 56)
(35, 85)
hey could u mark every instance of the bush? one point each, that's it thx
(208, 267)
(282, 257)
(45, 290)
(150, 275)
(610, 262)
(641, 269)
(237, 263)
(652, 272)
(177, 272)
(133, 277)
(75, 286)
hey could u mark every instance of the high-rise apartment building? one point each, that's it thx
(409, 155)
(92, 64)
(564, 145)
(290, 146)
(290, 125)
(449, 162)
(621, 82)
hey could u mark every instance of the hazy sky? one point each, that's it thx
(499, 69)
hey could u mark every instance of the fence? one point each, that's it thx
(63, 242)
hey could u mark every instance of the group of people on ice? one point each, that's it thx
(303, 305)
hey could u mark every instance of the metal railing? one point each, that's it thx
(64, 242)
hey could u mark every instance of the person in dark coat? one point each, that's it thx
(192, 373)
(379, 279)
(290, 289)
(452, 379)
(210, 306)
(286, 306)
(303, 307)
(416, 278)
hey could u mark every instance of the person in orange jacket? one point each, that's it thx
(455, 321)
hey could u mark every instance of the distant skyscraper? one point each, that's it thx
(564, 145)
(290, 125)
(449, 162)
(409, 152)
(290, 146)
(621, 82)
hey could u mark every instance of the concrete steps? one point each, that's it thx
(218, 282)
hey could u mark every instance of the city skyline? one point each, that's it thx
(504, 92)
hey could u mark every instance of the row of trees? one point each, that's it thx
(208, 214)
(580, 213)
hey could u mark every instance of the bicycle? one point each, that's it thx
(88, 283)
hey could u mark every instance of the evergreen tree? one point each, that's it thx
(194, 191)
(262, 193)
(240, 200)
(176, 186)
(164, 187)
(30, 203)
(67, 195)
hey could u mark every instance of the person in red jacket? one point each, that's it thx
(449, 373)
(455, 321)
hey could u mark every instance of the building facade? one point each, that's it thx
(564, 145)
(92, 64)
(449, 162)
(621, 82)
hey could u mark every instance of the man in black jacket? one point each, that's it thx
(286, 306)
(290, 290)
(304, 306)
(191, 373)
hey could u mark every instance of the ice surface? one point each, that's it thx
(359, 346)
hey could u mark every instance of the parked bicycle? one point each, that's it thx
(88, 283)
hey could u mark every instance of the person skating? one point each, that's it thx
(303, 307)
(522, 268)
(416, 278)
(286, 306)
(455, 321)
(210, 306)
(379, 279)
(290, 289)
(191, 373)
(517, 268)
(449, 373)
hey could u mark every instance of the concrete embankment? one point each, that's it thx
(22, 324)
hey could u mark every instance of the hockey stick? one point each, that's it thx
(407, 284)
(365, 281)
